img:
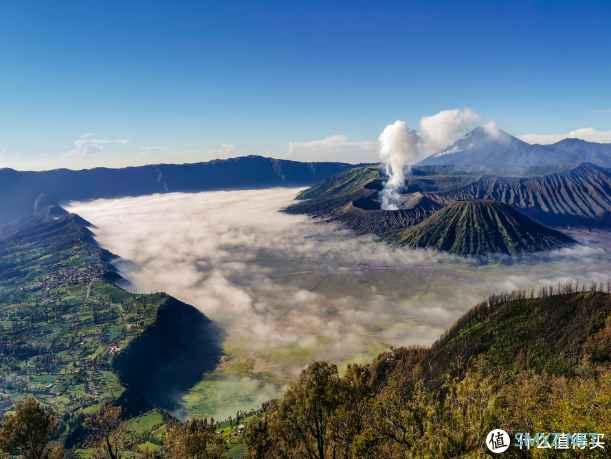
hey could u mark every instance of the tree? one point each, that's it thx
(26, 432)
(108, 432)
(194, 440)
(257, 437)
(350, 418)
(299, 425)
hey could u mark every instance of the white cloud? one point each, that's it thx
(274, 279)
(86, 146)
(277, 282)
(399, 147)
(227, 151)
(588, 134)
(444, 128)
(492, 129)
(333, 148)
(146, 151)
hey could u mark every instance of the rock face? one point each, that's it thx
(351, 198)
(495, 147)
(480, 227)
(365, 216)
(572, 195)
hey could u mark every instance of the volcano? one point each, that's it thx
(480, 227)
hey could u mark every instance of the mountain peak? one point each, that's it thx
(489, 146)
(480, 138)
(480, 227)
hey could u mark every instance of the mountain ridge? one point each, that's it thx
(493, 147)
(576, 195)
(21, 191)
(58, 279)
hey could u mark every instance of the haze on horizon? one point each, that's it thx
(117, 84)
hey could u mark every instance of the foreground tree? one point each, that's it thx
(27, 432)
(300, 424)
(194, 439)
(108, 433)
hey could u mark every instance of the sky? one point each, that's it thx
(124, 83)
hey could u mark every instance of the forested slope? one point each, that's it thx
(517, 362)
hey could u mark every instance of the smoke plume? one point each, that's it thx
(401, 146)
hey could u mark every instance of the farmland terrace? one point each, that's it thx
(63, 322)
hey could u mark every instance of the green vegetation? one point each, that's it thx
(478, 227)
(338, 191)
(27, 432)
(343, 183)
(62, 320)
(153, 421)
(493, 369)
(551, 333)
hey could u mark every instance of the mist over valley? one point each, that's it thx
(289, 289)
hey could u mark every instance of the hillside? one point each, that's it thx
(63, 323)
(350, 198)
(482, 147)
(575, 195)
(507, 330)
(337, 191)
(515, 362)
(365, 216)
(479, 227)
(20, 191)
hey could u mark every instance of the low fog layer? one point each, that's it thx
(288, 289)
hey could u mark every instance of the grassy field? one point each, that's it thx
(222, 394)
(147, 422)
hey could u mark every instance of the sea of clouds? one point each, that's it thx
(278, 280)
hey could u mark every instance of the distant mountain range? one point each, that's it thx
(20, 191)
(483, 147)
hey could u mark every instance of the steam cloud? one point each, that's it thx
(401, 146)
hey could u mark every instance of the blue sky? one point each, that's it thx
(197, 80)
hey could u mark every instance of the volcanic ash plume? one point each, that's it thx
(399, 147)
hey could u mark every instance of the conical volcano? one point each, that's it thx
(481, 227)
